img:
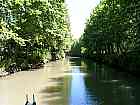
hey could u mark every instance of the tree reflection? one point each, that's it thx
(102, 85)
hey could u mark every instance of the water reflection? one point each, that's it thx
(80, 95)
(106, 86)
(78, 89)
(73, 81)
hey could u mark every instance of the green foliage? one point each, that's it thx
(75, 48)
(112, 32)
(32, 30)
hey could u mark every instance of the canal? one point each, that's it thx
(72, 81)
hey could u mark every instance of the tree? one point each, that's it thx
(38, 30)
(112, 32)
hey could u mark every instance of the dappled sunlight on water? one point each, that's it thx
(14, 88)
(72, 81)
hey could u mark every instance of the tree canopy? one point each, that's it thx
(32, 31)
(112, 33)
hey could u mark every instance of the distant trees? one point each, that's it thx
(112, 33)
(32, 31)
(75, 48)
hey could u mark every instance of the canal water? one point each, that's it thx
(72, 81)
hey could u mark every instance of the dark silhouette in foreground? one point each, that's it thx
(27, 101)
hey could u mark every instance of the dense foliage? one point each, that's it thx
(75, 48)
(32, 31)
(112, 34)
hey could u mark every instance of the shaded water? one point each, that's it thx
(71, 82)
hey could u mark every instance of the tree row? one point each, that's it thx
(112, 34)
(32, 31)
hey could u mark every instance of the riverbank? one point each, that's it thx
(14, 69)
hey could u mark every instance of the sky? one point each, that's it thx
(79, 12)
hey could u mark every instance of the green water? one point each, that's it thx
(72, 81)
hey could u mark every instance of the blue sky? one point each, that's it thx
(79, 11)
